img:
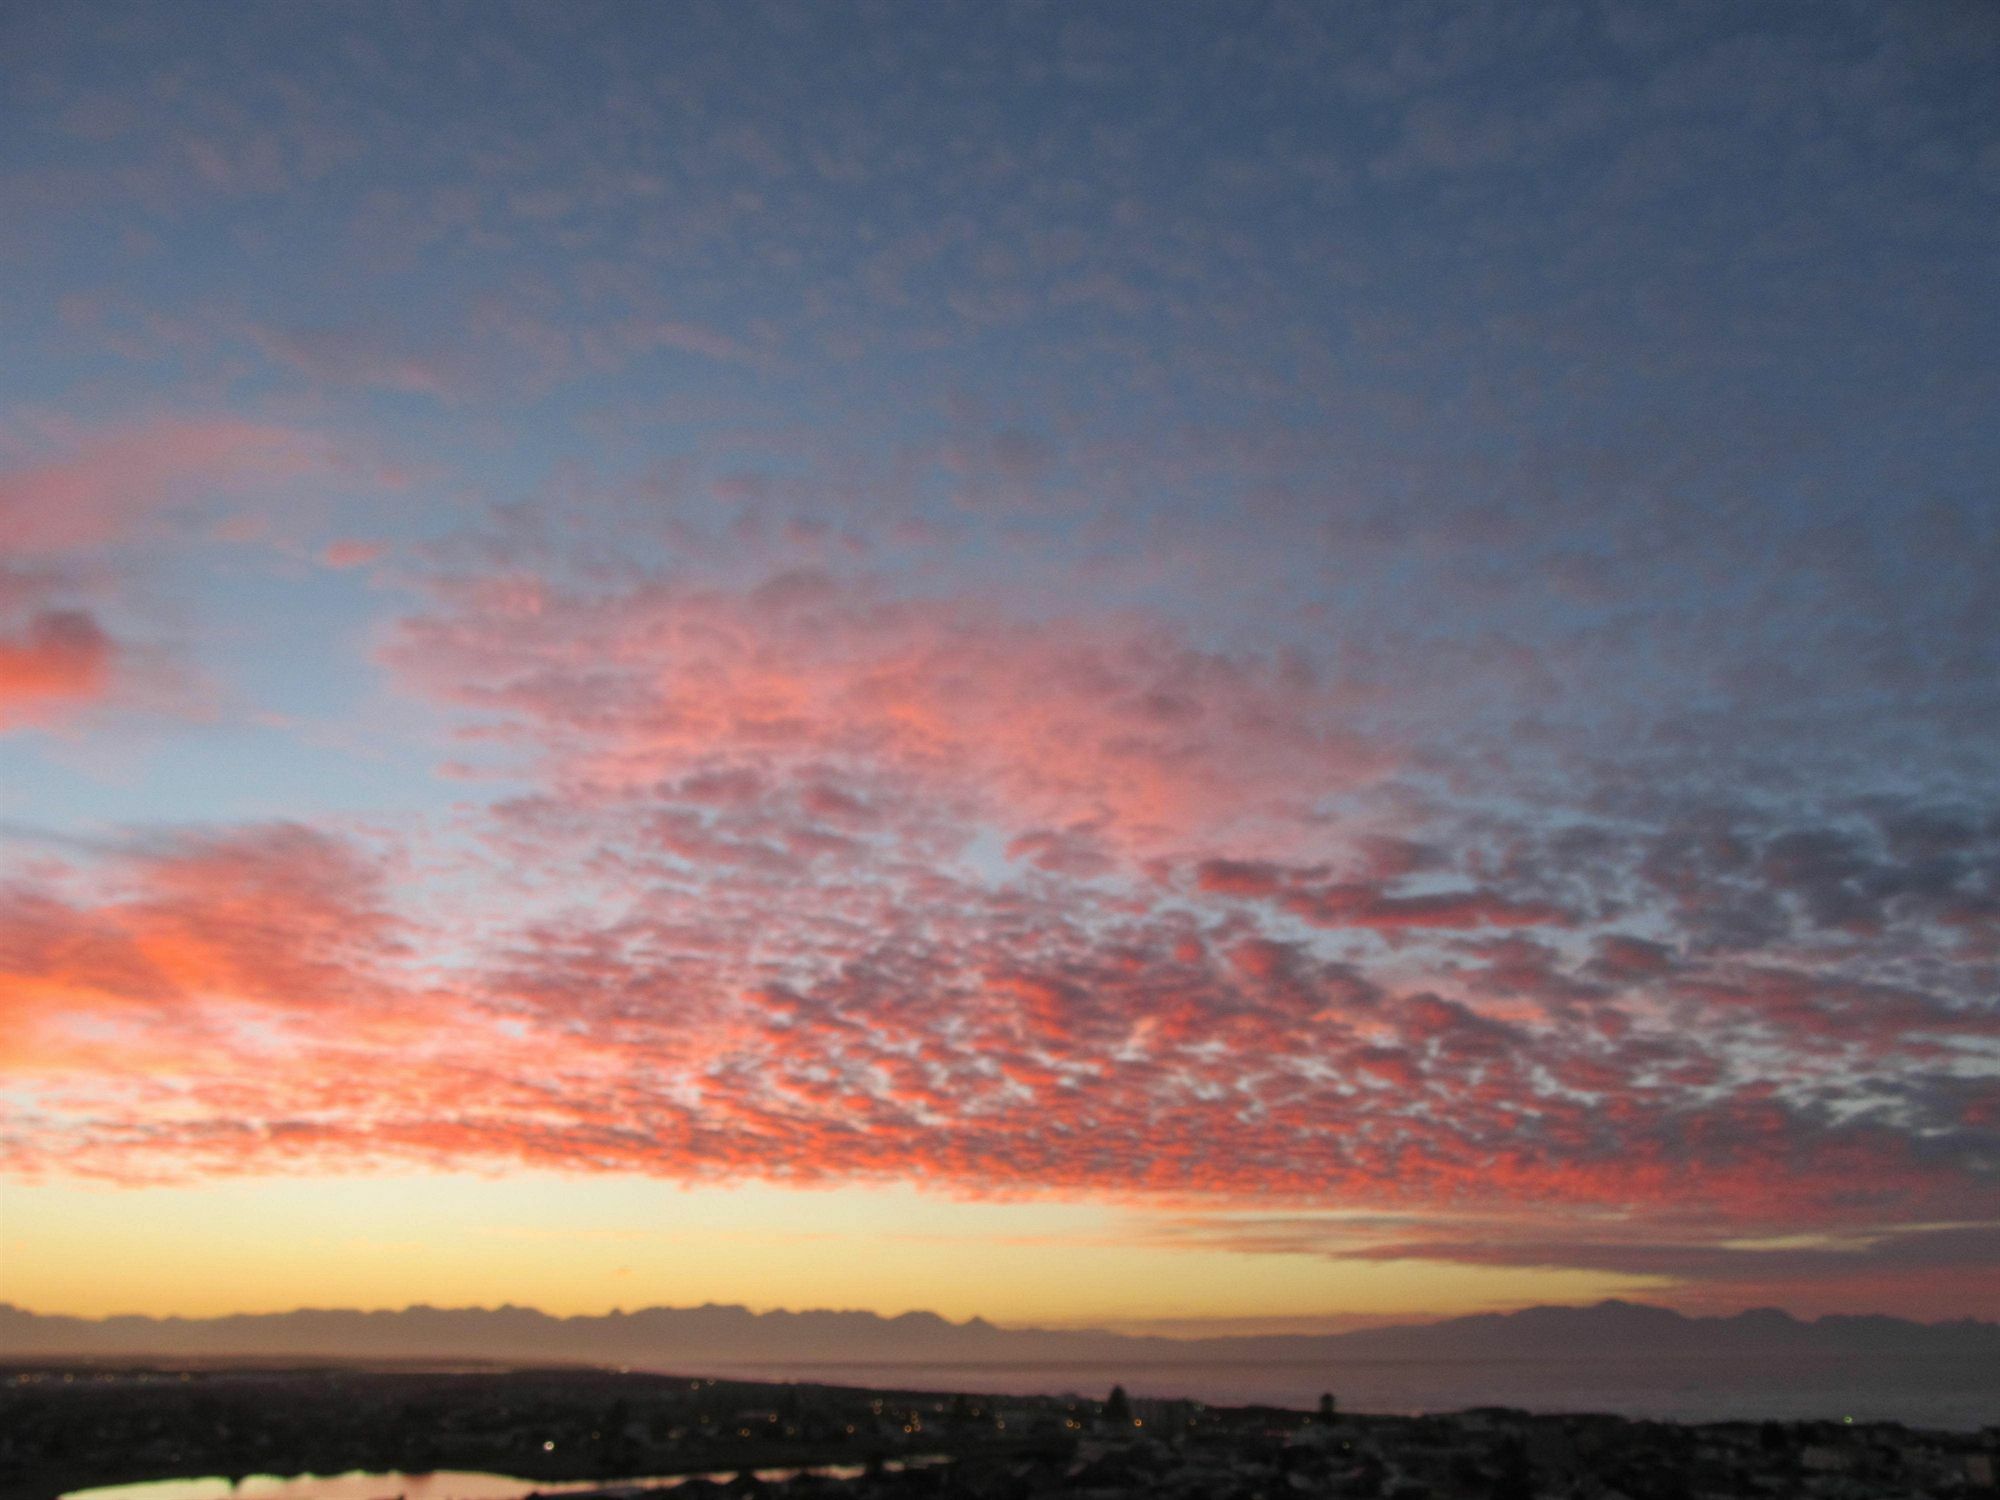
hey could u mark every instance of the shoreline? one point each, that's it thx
(628, 1433)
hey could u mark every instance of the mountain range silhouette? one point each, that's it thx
(690, 1338)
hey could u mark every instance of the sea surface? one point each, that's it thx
(1961, 1393)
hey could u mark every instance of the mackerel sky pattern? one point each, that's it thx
(1391, 607)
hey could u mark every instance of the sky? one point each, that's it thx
(1214, 666)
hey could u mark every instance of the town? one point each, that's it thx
(69, 1427)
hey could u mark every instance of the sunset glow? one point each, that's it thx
(1080, 664)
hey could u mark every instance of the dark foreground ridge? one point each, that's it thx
(67, 1427)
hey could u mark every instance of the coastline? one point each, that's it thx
(551, 1430)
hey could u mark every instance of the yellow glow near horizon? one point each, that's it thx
(587, 1245)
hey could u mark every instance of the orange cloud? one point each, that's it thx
(192, 933)
(58, 660)
(251, 1000)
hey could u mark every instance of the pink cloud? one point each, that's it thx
(820, 883)
(57, 661)
(1014, 1039)
(1109, 723)
(351, 553)
(112, 484)
(1359, 905)
(1239, 877)
(1362, 904)
(277, 917)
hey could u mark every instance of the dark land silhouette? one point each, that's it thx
(67, 1427)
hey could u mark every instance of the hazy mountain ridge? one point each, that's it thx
(715, 1335)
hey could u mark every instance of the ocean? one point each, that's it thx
(1961, 1393)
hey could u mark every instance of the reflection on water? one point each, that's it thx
(354, 1486)
(445, 1484)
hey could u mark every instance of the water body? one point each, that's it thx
(357, 1485)
(444, 1484)
(1961, 1394)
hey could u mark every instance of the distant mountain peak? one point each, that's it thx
(1774, 1316)
(715, 1335)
